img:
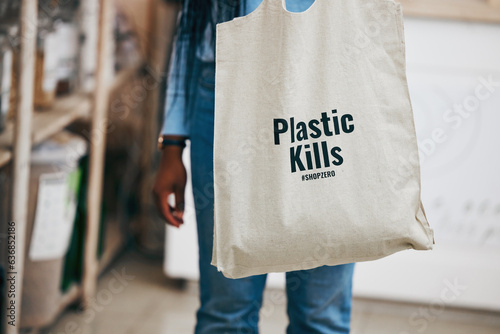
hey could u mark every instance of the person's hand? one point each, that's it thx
(170, 179)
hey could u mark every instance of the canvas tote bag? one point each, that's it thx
(315, 153)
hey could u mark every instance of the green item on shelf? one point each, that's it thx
(73, 263)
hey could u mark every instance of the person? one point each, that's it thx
(319, 300)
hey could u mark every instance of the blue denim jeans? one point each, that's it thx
(319, 300)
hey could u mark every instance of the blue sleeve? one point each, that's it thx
(291, 5)
(175, 121)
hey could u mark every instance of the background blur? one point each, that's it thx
(78, 131)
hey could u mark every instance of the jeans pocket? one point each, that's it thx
(202, 112)
(206, 81)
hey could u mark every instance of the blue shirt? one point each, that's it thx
(175, 122)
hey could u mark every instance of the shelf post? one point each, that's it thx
(22, 148)
(97, 153)
(150, 125)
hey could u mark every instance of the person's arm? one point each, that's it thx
(171, 179)
(175, 122)
(171, 175)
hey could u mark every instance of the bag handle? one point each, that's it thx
(280, 5)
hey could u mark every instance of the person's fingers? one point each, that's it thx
(166, 210)
(179, 202)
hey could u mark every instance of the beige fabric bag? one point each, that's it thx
(315, 153)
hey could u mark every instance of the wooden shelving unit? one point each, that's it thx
(32, 127)
(66, 110)
(124, 76)
(465, 10)
(22, 146)
(114, 243)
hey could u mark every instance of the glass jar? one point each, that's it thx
(58, 17)
(47, 61)
(68, 43)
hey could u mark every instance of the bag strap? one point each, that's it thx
(280, 5)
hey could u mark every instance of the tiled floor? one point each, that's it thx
(135, 297)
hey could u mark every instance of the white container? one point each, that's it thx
(51, 213)
(68, 45)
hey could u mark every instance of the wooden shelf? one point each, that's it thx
(5, 156)
(125, 76)
(31, 128)
(47, 123)
(465, 10)
(70, 297)
(114, 242)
